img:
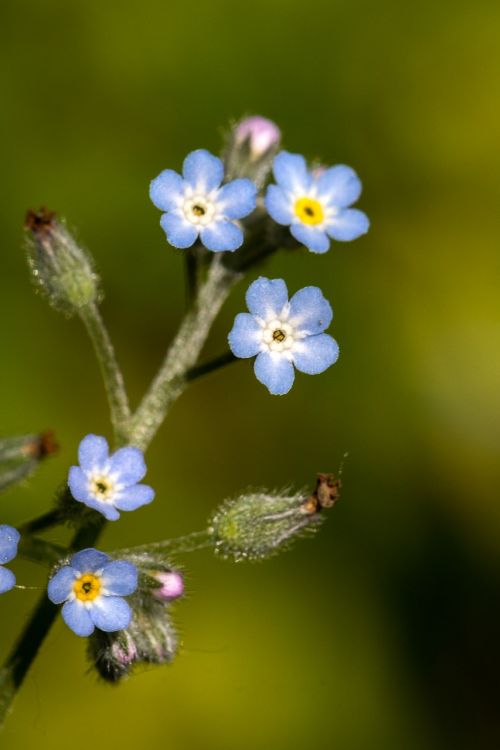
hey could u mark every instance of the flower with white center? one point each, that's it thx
(109, 483)
(315, 204)
(91, 587)
(283, 334)
(9, 539)
(196, 205)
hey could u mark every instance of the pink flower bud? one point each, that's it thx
(262, 133)
(172, 585)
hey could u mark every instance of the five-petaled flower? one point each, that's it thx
(109, 483)
(197, 206)
(284, 333)
(9, 539)
(315, 203)
(91, 587)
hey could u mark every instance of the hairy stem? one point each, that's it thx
(182, 354)
(111, 373)
(189, 543)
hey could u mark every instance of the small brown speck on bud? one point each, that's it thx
(40, 222)
(41, 445)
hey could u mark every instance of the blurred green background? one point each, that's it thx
(383, 631)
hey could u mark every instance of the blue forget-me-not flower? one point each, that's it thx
(196, 205)
(92, 587)
(109, 483)
(283, 334)
(9, 539)
(315, 204)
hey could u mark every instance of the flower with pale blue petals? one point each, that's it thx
(109, 483)
(196, 206)
(284, 334)
(315, 203)
(91, 587)
(9, 539)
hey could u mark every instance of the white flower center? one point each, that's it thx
(279, 336)
(198, 209)
(102, 487)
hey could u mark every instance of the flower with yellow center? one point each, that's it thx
(92, 587)
(315, 203)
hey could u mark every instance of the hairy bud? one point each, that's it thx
(60, 267)
(19, 456)
(256, 525)
(250, 149)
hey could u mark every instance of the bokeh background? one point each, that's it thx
(383, 630)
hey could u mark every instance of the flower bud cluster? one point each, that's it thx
(60, 267)
(256, 525)
(150, 638)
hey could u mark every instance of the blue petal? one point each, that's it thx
(89, 560)
(107, 509)
(266, 298)
(275, 372)
(312, 237)
(119, 578)
(348, 225)
(134, 497)
(7, 580)
(245, 336)
(128, 465)
(278, 205)
(9, 539)
(61, 584)
(77, 617)
(79, 484)
(180, 232)
(310, 312)
(110, 613)
(93, 452)
(290, 171)
(237, 199)
(221, 235)
(339, 186)
(167, 190)
(203, 171)
(315, 353)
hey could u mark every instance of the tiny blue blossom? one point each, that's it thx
(315, 203)
(9, 539)
(196, 205)
(283, 334)
(107, 483)
(91, 587)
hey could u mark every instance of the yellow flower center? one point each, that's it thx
(309, 211)
(279, 335)
(87, 587)
(102, 487)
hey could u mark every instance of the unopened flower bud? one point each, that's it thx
(251, 147)
(113, 654)
(256, 525)
(260, 133)
(19, 456)
(60, 267)
(171, 585)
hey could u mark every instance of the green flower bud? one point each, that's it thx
(256, 525)
(60, 267)
(20, 456)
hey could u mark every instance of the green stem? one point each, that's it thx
(111, 373)
(182, 354)
(40, 551)
(189, 543)
(41, 523)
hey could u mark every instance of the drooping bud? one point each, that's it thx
(112, 654)
(60, 267)
(250, 149)
(20, 456)
(257, 525)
